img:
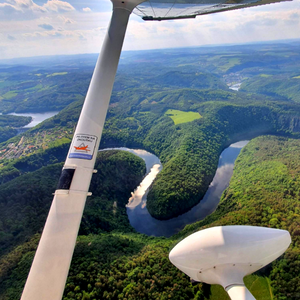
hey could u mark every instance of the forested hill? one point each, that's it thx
(139, 115)
(9, 125)
(23, 211)
(189, 150)
(177, 105)
(284, 87)
(263, 192)
(25, 201)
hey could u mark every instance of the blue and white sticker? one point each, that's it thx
(83, 146)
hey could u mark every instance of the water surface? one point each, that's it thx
(143, 222)
(236, 86)
(37, 118)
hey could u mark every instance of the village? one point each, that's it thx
(233, 78)
(29, 144)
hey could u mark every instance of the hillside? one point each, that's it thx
(9, 126)
(25, 208)
(263, 191)
(23, 216)
(286, 88)
(176, 104)
(188, 150)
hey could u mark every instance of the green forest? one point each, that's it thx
(111, 261)
(9, 125)
(181, 110)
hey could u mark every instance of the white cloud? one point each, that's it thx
(19, 10)
(66, 20)
(58, 6)
(9, 9)
(27, 5)
(238, 26)
(39, 34)
(86, 9)
(293, 19)
(70, 26)
(27, 9)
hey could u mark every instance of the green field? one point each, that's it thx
(179, 116)
(259, 286)
(265, 75)
(9, 95)
(231, 63)
(36, 87)
(57, 74)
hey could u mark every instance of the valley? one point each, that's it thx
(181, 110)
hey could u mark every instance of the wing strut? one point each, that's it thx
(51, 263)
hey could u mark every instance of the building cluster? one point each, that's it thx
(30, 144)
(233, 78)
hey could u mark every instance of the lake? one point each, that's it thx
(36, 117)
(236, 86)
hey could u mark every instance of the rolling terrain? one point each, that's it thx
(182, 110)
(126, 265)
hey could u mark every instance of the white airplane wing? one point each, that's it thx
(181, 9)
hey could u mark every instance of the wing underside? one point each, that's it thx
(178, 9)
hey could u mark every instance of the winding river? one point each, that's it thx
(138, 214)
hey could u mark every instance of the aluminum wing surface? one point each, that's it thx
(181, 9)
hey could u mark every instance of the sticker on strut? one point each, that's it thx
(83, 146)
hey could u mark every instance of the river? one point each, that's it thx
(236, 86)
(138, 214)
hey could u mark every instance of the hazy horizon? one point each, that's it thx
(36, 57)
(53, 27)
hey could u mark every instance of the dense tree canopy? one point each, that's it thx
(111, 260)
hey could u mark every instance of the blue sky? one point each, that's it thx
(50, 27)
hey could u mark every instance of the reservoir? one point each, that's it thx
(143, 222)
(36, 117)
(236, 86)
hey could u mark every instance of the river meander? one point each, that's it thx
(138, 214)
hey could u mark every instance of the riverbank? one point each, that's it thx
(37, 118)
(138, 214)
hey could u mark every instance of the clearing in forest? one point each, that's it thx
(57, 74)
(179, 116)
